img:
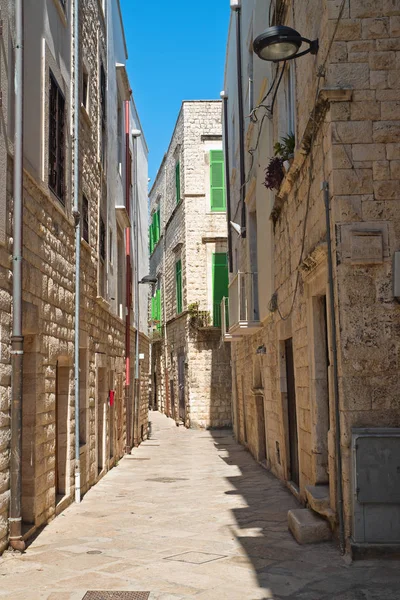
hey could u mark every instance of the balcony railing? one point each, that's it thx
(244, 317)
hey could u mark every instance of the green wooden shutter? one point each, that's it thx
(153, 308)
(217, 181)
(151, 238)
(220, 281)
(155, 232)
(158, 219)
(158, 303)
(178, 181)
(178, 281)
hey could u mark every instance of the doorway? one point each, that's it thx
(111, 414)
(30, 391)
(62, 433)
(181, 383)
(101, 416)
(294, 469)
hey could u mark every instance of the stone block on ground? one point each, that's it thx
(307, 527)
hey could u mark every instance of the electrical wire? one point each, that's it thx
(273, 305)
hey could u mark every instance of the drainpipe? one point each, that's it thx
(236, 7)
(224, 97)
(17, 341)
(136, 134)
(77, 217)
(128, 176)
(339, 485)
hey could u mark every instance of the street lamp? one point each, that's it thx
(149, 279)
(280, 43)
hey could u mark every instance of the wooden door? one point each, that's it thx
(292, 414)
(181, 383)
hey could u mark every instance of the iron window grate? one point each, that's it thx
(85, 219)
(56, 139)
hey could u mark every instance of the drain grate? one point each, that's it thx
(195, 558)
(116, 596)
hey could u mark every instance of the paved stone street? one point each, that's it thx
(189, 514)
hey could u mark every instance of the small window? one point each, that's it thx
(290, 100)
(85, 89)
(110, 246)
(56, 139)
(217, 181)
(85, 219)
(102, 240)
(103, 117)
(178, 182)
(178, 282)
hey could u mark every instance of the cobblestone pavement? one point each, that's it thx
(188, 515)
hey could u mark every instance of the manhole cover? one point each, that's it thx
(116, 596)
(195, 558)
(167, 479)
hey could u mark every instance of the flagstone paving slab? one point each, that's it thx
(196, 494)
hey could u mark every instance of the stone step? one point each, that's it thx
(307, 527)
(318, 498)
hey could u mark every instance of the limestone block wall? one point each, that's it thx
(190, 232)
(354, 149)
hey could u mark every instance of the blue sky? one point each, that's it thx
(176, 52)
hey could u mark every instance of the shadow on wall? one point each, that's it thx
(283, 568)
(220, 382)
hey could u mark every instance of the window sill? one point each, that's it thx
(62, 12)
(86, 116)
(86, 245)
(103, 302)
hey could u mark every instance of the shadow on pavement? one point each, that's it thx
(284, 569)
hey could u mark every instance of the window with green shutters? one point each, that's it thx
(154, 231)
(220, 281)
(178, 282)
(217, 181)
(178, 182)
(156, 310)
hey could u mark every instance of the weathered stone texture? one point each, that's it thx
(356, 150)
(190, 232)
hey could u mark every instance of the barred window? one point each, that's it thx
(103, 116)
(102, 240)
(56, 139)
(85, 219)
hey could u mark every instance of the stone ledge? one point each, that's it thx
(307, 527)
(326, 96)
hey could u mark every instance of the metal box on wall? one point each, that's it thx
(376, 485)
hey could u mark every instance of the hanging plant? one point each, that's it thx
(274, 173)
(285, 148)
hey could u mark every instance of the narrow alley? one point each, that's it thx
(187, 514)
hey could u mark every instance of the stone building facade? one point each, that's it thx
(190, 367)
(107, 405)
(341, 105)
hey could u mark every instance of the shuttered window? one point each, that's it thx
(178, 181)
(156, 309)
(151, 247)
(217, 181)
(56, 139)
(220, 280)
(178, 282)
(85, 218)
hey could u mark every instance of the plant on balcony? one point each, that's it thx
(275, 171)
(198, 318)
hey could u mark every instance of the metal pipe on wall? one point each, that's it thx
(237, 8)
(227, 180)
(17, 340)
(136, 134)
(77, 217)
(339, 484)
(128, 386)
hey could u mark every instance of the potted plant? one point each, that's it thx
(281, 161)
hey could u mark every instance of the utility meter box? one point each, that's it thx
(376, 485)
